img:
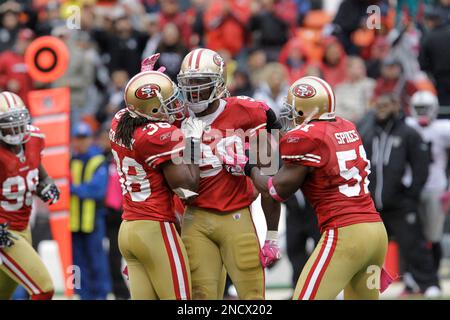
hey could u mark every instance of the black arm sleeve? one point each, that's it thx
(272, 121)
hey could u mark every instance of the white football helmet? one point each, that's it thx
(424, 107)
(14, 119)
(202, 79)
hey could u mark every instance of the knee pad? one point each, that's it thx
(193, 257)
(246, 251)
(43, 296)
(202, 292)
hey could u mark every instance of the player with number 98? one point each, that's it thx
(21, 177)
(148, 150)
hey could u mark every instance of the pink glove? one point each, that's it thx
(148, 64)
(234, 163)
(269, 253)
(445, 201)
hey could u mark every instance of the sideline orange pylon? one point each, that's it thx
(50, 111)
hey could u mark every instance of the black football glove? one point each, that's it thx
(48, 191)
(6, 237)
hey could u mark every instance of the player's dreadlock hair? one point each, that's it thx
(126, 127)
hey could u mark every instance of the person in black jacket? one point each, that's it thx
(434, 56)
(399, 169)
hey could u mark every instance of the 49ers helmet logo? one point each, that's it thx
(218, 60)
(304, 91)
(147, 91)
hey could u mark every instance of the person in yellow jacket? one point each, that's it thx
(89, 177)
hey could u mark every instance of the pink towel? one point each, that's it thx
(113, 198)
(385, 280)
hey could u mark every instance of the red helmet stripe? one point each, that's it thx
(197, 61)
(6, 99)
(14, 98)
(191, 55)
(329, 94)
(10, 99)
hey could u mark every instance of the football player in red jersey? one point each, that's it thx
(21, 176)
(217, 224)
(324, 156)
(146, 147)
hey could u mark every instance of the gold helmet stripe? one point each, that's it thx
(331, 97)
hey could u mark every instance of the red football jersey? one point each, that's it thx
(337, 188)
(236, 119)
(19, 178)
(146, 194)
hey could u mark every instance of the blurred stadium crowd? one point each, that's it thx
(267, 44)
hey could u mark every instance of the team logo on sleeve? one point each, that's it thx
(292, 139)
(304, 91)
(147, 91)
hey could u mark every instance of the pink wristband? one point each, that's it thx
(273, 193)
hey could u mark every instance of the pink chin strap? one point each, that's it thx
(272, 191)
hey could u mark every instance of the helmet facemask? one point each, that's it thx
(200, 89)
(288, 116)
(424, 114)
(14, 128)
(172, 107)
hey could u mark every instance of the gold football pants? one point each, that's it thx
(348, 258)
(214, 240)
(157, 262)
(21, 264)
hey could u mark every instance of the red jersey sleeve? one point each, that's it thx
(298, 148)
(255, 110)
(159, 142)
